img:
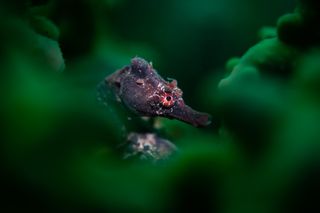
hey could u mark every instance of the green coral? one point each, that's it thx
(269, 104)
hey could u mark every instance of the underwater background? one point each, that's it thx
(253, 65)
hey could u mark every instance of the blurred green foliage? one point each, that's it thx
(61, 148)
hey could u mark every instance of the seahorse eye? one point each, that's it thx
(167, 100)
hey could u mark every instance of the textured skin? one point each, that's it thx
(149, 146)
(143, 91)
